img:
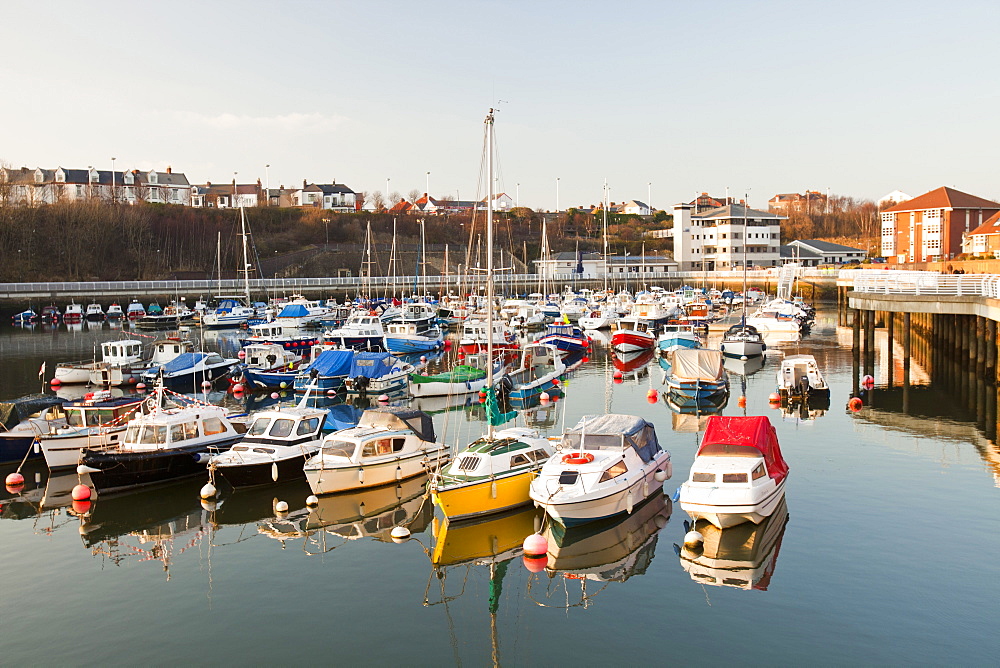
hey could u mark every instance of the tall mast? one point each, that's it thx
(606, 235)
(489, 259)
(246, 260)
(746, 203)
(218, 263)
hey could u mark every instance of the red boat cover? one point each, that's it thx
(742, 436)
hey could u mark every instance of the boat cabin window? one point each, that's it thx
(519, 460)
(568, 477)
(281, 428)
(538, 455)
(153, 434)
(240, 448)
(759, 471)
(734, 477)
(383, 446)
(259, 426)
(339, 448)
(613, 472)
(93, 418)
(308, 426)
(74, 417)
(264, 451)
(212, 426)
(702, 477)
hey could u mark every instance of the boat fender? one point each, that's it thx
(578, 458)
(202, 457)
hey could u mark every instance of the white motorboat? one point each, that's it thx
(538, 370)
(477, 335)
(95, 312)
(743, 341)
(120, 365)
(388, 445)
(604, 466)
(73, 313)
(799, 377)
(94, 421)
(274, 449)
(113, 353)
(362, 331)
(115, 312)
(462, 379)
(632, 334)
(738, 474)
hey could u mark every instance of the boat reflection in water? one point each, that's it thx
(611, 550)
(743, 556)
(805, 410)
(492, 543)
(633, 365)
(161, 524)
(371, 513)
(747, 367)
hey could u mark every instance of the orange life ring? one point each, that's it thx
(578, 458)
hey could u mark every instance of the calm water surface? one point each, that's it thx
(893, 518)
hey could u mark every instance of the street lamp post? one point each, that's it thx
(557, 197)
(649, 197)
(387, 192)
(234, 188)
(428, 190)
(517, 195)
(326, 224)
(113, 198)
(267, 184)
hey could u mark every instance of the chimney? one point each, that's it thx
(303, 183)
(208, 184)
(169, 170)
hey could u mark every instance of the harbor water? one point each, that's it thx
(890, 515)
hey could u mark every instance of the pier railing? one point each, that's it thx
(375, 283)
(925, 283)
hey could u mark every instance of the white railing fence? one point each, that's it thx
(923, 283)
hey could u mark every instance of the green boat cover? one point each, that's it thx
(462, 373)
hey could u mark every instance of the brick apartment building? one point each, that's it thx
(932, 226)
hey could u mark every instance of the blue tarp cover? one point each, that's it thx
(183, 361)
(371, 365)
(294, 311)
(342, 416)
(332, 363)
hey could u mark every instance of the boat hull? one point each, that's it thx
(14, 448)
(63, 452)
(404, 345)
(119, 471)
(742, 349)
(484, 497)
(724, 516)
(617, 500)
(630, 342)
(269, 379)
(263, 473)
(354, 476)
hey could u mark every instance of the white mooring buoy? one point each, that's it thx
(693, 539)
(208, 491)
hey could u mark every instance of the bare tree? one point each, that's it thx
(378, 200)
(394, 198)
(413, 195)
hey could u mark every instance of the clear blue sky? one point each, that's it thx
(859, 97)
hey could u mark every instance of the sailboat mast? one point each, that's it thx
(246, 260)
(746, 203)
(218, 263)
(489, 259)
(606, 235)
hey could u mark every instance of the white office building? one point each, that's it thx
(717, 239)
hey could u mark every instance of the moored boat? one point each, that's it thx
(387, 445)
(696, 375)
(377, 373)
(22, 419)
(603, 467)
(738, 474)
(799, 377)
(94, 421)
(175, 439)
(275, 447)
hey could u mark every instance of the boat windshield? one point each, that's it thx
(281, 428)
(150, 434)
(339, 448)
(74, 417)
(259, 427)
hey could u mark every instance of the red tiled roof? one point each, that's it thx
(402, 206)
(944, 198)
(990, 226)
